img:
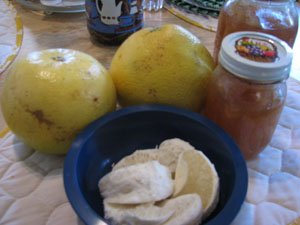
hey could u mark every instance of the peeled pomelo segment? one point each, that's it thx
(141, 214)
(171, 149)
(182, 210)
(139, 156)
(167, 154)
(136, 184)
(181, 176)
(202, 179)
(187, 210)
(175, 144)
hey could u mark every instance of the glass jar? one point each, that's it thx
(276, 17)
(247, 92)
(112, 21)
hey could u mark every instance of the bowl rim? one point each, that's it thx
(90, 217)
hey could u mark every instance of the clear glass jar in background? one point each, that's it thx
(247, 92)
(276, 17)
(153, 5)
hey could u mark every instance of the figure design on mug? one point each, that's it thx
(111, 10)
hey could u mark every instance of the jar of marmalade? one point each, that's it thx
(276, 17)
(248, 89)
(112, 21)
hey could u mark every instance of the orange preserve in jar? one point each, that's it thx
(275, 17)
(247, 91)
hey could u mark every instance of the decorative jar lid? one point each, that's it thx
(256, 56)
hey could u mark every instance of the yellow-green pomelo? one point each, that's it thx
(164, 65)
(50, 95)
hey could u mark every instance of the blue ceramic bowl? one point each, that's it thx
(118, 134)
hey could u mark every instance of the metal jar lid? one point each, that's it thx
(256, 56)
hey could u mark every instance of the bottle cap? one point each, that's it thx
(256, 56)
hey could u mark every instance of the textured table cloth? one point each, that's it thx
(32, 192)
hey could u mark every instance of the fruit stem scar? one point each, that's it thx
(58, 58)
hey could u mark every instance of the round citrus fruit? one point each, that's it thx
(49, 96)
(163, 65)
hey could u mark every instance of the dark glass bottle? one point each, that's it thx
(112, 21)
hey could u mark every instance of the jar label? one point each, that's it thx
(114, 16)
(256, 49)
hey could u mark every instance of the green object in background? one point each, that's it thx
(199, 7)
